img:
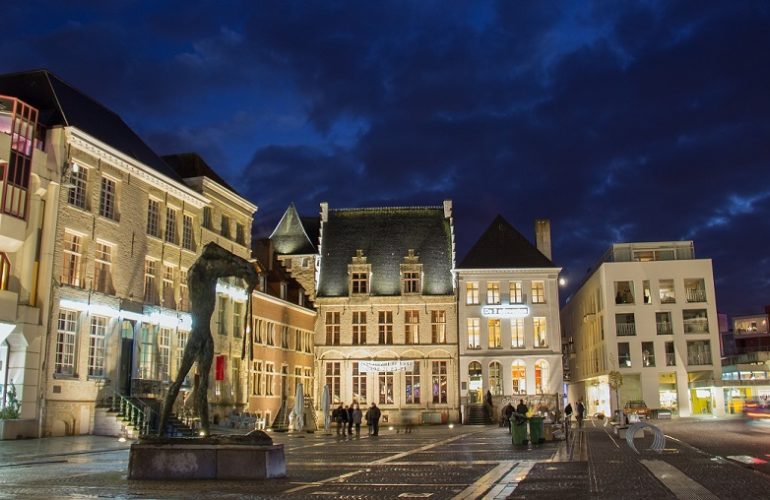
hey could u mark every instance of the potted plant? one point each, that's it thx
(11, 426)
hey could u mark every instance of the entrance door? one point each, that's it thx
(126, 357)
(475, 385)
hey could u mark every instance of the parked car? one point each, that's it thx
(638, 408)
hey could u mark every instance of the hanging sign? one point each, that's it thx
(505, 311)
(385, 366)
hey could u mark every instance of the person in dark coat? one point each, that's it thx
(581, 413)
(350, 420)
(521, 412)
(507, 414)
(357, 418)
(373, 420)
(340, 417)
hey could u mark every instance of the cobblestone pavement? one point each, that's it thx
(433, 462)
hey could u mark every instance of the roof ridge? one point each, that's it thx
(405, 207)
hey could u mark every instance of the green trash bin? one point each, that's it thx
(518, 431)
(536, 429)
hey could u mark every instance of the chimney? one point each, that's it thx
(447, 209)
(543, 236)
(324, 211)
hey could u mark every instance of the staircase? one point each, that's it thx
(110, 423)
(477, 415)
(281, 421)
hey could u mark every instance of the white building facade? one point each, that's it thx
(647, 312)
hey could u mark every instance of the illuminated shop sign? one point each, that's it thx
(505, 311)
(385, 366)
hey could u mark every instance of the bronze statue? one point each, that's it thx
(215, 262)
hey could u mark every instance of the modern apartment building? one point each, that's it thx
(387, 314)
(101, 277)
(510, 340)
(648, 312)
(746, 365)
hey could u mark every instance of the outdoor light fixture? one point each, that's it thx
(390, 428)
(451, 426)
(562, 281)
(202, 433)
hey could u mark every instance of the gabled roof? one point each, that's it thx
(62, 105)
(386, 235)
(501, 246)
(189, 165)
(295, 235)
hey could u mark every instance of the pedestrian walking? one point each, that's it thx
(340, 416)
(357, 418)
(580, 413)
(350, 419)
(373, 419)
(568, 413)
(507, 414)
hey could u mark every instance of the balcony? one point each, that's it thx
(664, 328)
(696, 325)
(695, 295)
(670, 359)
(625, 329)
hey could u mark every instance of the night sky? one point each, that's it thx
(636, 122)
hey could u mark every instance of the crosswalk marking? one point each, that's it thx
(678, 482)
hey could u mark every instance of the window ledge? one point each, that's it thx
(62, 376)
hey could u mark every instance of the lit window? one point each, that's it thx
(439, 381)
(541, 336)
(438, 327)
(412, 384)
(181, 342)
(516, 294)
(188, 239)
(472, 292)
(103, 268)
(5, 271)
(153, 218)
(519, 377)
(184, 291)
(493, 329)
(359, 384)
(164, 354)
(333, 380)
(76, 196)
(517, 333)
(474, 336)
(385, 327)
(65, 343)
(150, 285)
(495, 378)
(71, 274)
(411, 282)
(359, 327)
(107, 199)
(359, 283)
(412, 327)
(169, 300)
(385, 380)
(147, 348)
(538, 292)
(541, 376)
(493, 292)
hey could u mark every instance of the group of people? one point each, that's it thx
(519, 414)
(580, 412)
(346, 417)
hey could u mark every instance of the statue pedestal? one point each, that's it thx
(205, 458)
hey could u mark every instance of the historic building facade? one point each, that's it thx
(387, 314)
(647, 312)
(510, 341)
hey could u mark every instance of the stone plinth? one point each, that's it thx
(225, 457)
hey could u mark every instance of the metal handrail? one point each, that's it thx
(138, 415)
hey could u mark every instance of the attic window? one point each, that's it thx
(359, 283)
(359, 271)
(411, 272)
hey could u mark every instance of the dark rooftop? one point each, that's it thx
(386, 235)
(189, 165)
(60, 104)
(501, 246)
(295, 235)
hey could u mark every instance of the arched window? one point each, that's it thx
(519, 377)
(495, 378)
(474, 369)
(541, 376)
(5, 271)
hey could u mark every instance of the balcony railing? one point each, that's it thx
(665, 328)
(696, 325)
(698, 358)
(695, 295)
(626, 329)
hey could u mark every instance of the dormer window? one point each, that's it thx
(411, 273)
(359, 271)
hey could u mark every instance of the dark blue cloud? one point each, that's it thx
(641, 121)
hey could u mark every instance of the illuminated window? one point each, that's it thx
(519, 377)
(359, 384)
(333, 380)
(516, 294)
(385, 380)
(147, 348)
(181, 342)
(538, 292)
(541, 376)
(164, 354)
(493, 292)
(150, 285)
(474, 335)
(493, 329)
(184, 291)
(65, 343)
(517, 333)
(411, 282)
(96, 346)
(359, 327)
(188, 239)
(695, 290)
(359, 283)
(472, 292)
(412, 384)
(541, 335)
(153, 218)
(438, 326)
(172, 236)
(495, 378)
(103, 268)
(169, 299)
(412, 327)
(72, 250)
(5, 271)
(385, 327)
(439, 381)
(666, 292)
(76, 196)
(332, 328)
(107, 199)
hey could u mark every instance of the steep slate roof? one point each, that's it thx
(295, 235)
(503, 247)
(62, 105)
(192, 165)
(385, 235)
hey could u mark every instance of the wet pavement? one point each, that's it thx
(433, 462)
